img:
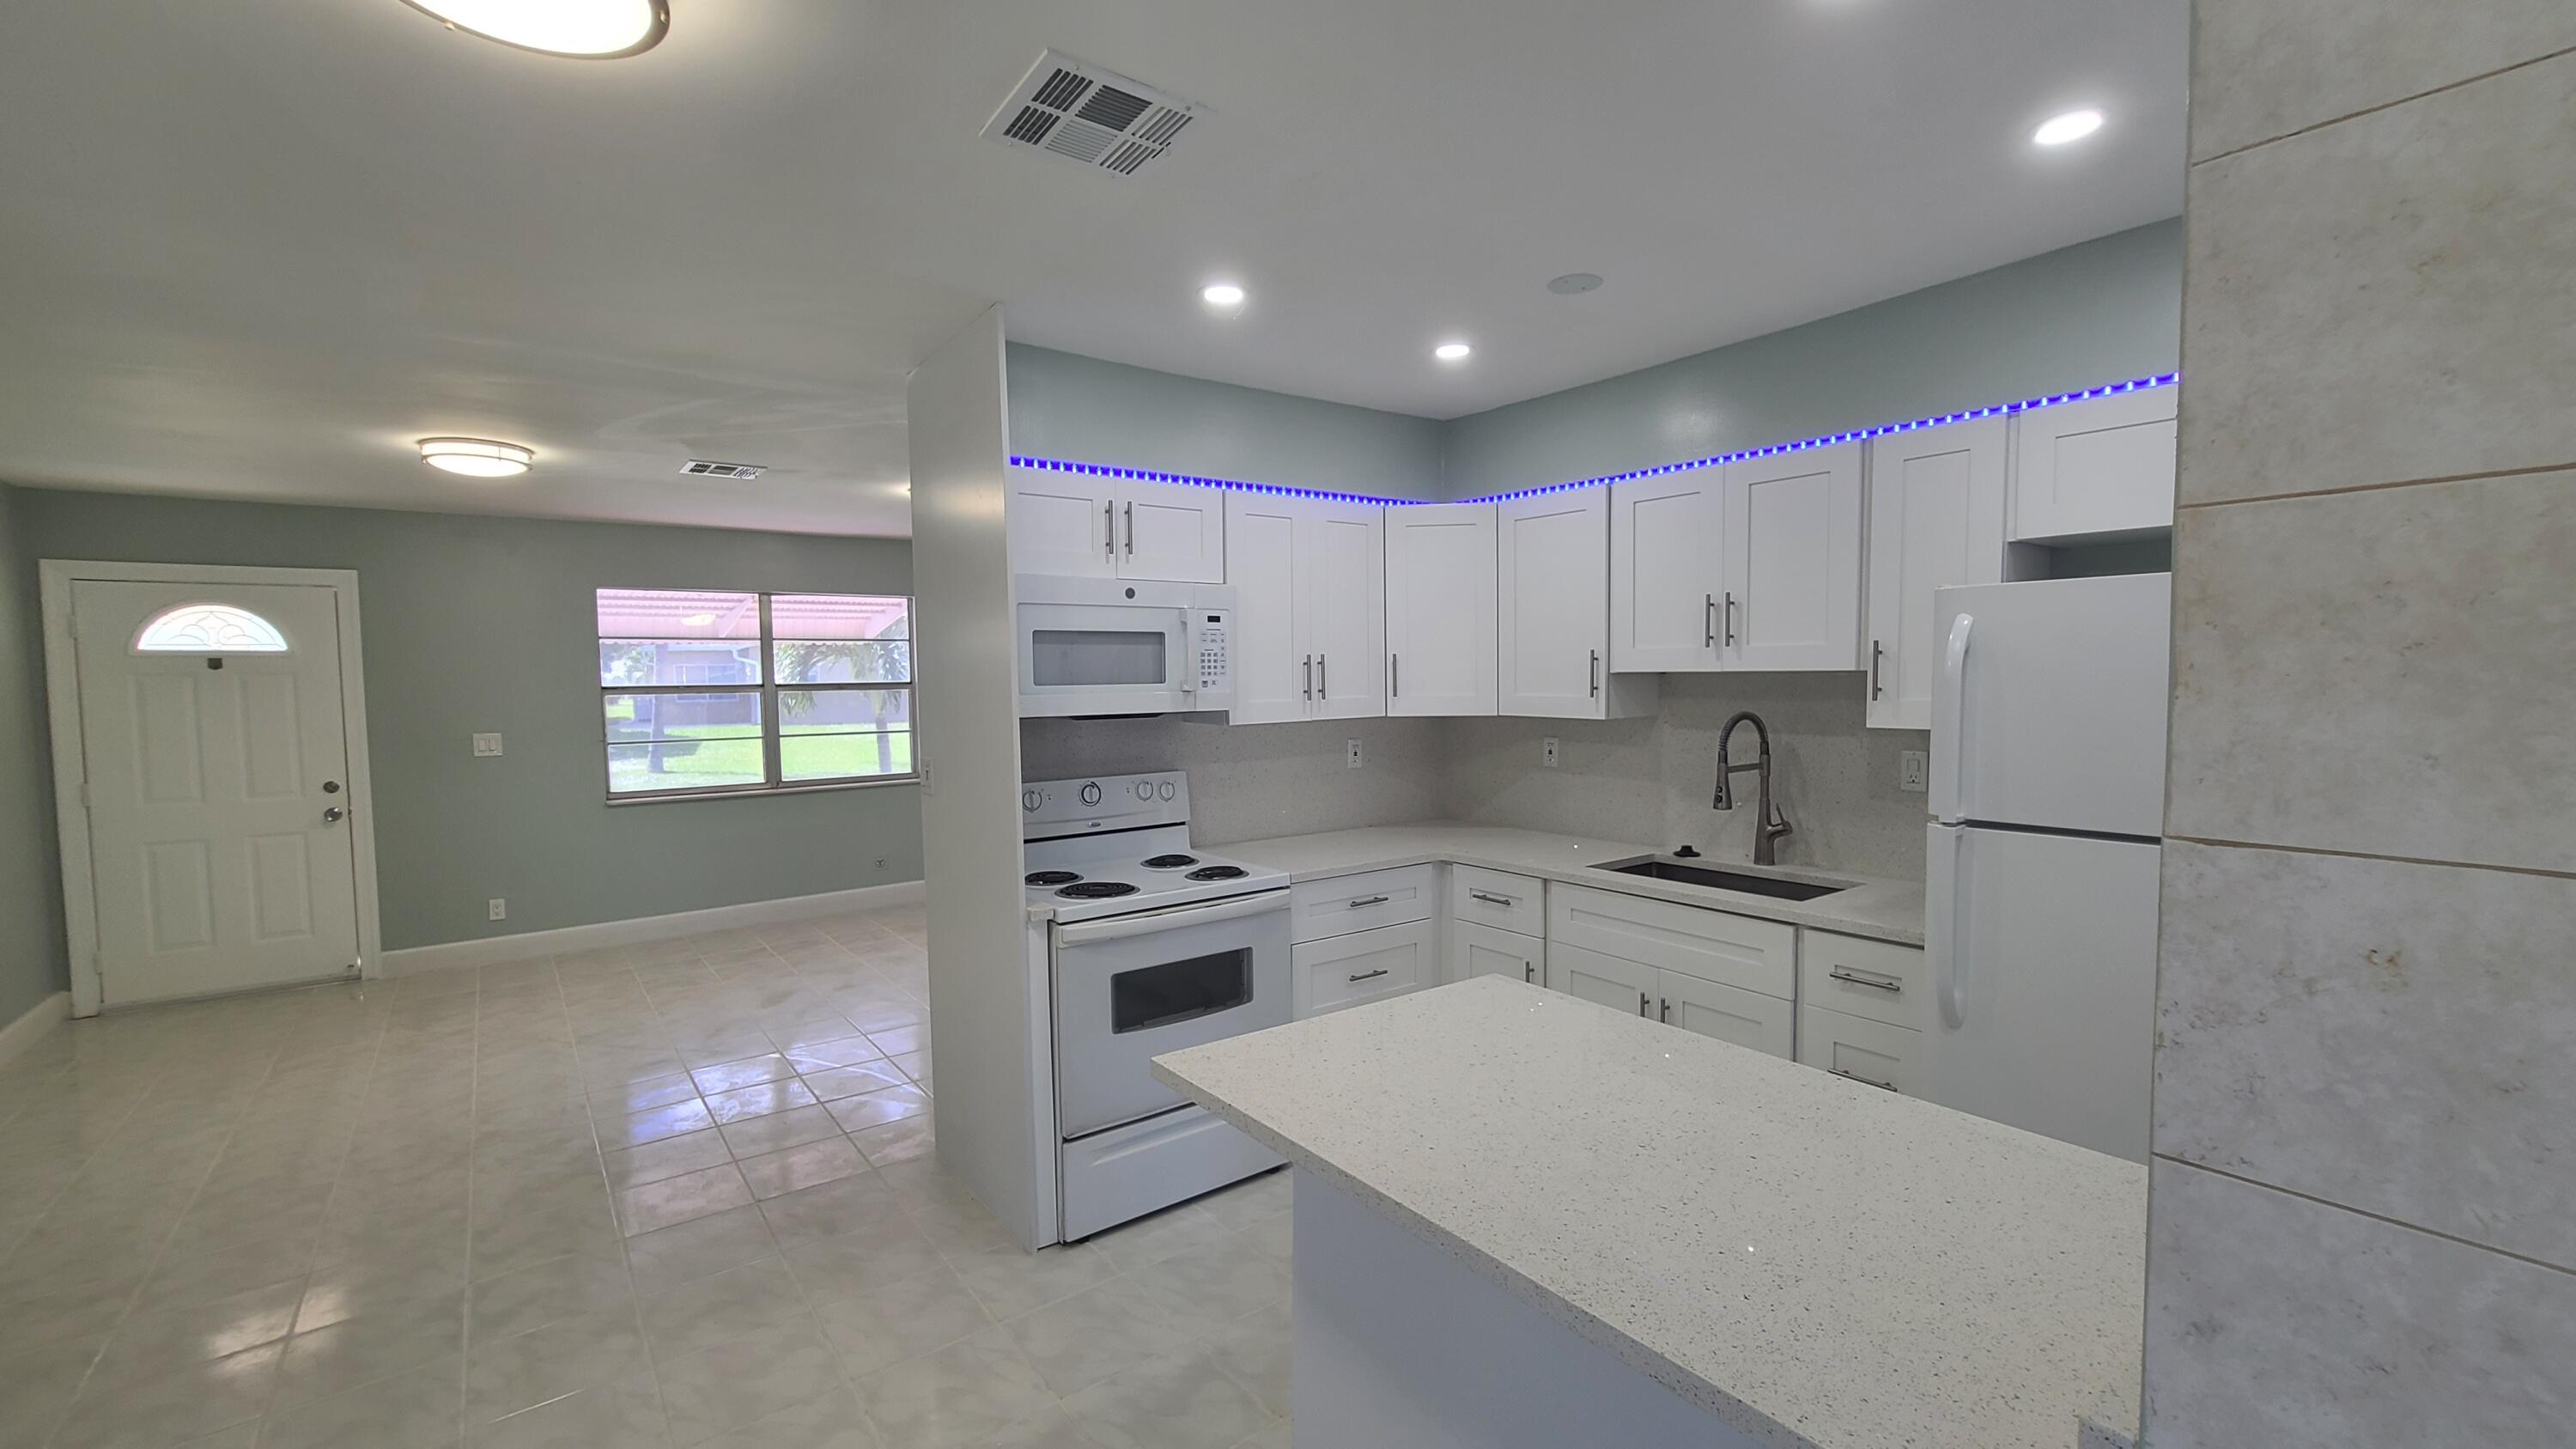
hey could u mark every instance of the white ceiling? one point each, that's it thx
(256, 250)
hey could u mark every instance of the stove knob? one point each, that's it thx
(1164, 789)
(1031, 799)
(1091, 792)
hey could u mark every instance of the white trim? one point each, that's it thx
(31, 1026)
(62, 702)
(529, 945)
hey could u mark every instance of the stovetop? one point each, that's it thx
(1117, 844)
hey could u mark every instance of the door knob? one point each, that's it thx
(333, 815)
(330, 787)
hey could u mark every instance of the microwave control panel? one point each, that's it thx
(1216, 669)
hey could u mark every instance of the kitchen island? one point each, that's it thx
(1525, 1220)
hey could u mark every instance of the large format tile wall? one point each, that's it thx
(2359, 1224)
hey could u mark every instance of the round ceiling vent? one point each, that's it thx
(1574, 284)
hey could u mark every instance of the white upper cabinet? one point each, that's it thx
(2104, 466)
(1063, 523)
(1094, 527)
(1936, 518)
(1553, 570)
(1440, 609)
(1667, 553)
(1792, 590)
(1309, 608)
(1171, 531)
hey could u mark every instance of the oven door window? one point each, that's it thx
(1152, 996)
(1076, 658)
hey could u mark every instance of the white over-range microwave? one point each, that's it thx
(1111, 646)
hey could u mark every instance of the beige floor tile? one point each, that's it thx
(741, 1382)
(677, 1200)
(504, 1376)
(832, 1421)
(371, 1345)
(900, 1320)
(812, 1165)
(174, 1408)
(616, 1415)
(1105, 1329)
(721, 1307)
(960, 1395)
(416, 1410)
(1181, 1401)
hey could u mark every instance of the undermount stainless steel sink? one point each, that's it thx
(1657, 868)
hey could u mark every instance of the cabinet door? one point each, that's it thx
(1603, 980)
(1266, 558)
(1366, 966)
(1936, 518)
(1061, 523)
(1171, 531)
(1553, 555)
(1667, 550)
(1440, 609)
(2103, 466)
(1481, 950)
(1342, 571)
(1728, 1013)
(1792, 591)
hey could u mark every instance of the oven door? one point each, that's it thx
(1129, 988)
(1104, 659)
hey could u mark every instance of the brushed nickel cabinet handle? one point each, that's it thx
(1323, 679)
(1866, 1081)
(1730, 620)
(1490, 899)
(1841, 973)
(1643, 1002)
(1668, 1010)
(1876, 652)
(1109, 526)
(1310, 676)
(1394, 675)
(1708, 621)
(1529, 972)
(1595, 673)
(1131, 530)
(1369, 975)
(1366, 901)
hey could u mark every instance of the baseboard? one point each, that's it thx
(31, 1027)
(528, 945)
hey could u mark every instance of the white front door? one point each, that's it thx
(215, 756)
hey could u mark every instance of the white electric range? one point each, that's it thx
(1152, 946)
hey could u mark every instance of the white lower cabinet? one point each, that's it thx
(1600, 979)
(1728, 1013)
(1364, 966)
(1476, 950)
(1740, 951)
(1870, 1052)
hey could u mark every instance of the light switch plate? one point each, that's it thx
(1548, 756)
(485, 745)
(1914, 770)
(1353, 745)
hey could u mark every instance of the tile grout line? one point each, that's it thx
(2361, 1212)
(2313, 127)
(2344, 489)
(2219, 843)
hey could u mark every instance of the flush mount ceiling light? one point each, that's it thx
(585, 29)
(476, 457)
(2073, 126)
(1223, 296)
(1452, 351)
(1574, 284)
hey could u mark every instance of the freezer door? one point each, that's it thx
(2042, 954)
(2049, 709)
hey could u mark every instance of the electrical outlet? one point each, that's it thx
(499, 907)
(1353, 746)
(1547, 756)
(484, 747)
(1914, 770)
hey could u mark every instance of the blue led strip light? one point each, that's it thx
(2000, 410)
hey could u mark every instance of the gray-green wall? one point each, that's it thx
(482, 623)
(31, 941)
(1064, 406)
(2101, 311)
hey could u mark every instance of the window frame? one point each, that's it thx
(772, 730)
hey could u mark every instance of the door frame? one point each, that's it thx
(54, 580)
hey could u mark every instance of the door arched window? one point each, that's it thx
(209, 629)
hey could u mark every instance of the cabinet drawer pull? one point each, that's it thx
(1667, 1014)
(1644, 1002)
(1109, 526)
(1491, 900)
(1131, 530)
(1595, 674)
(1730, 620)
(1366, 901)
(1708, 621)
(1369, 975)
(1876, 652)
(1323, 679)
(1310, 676)
(1844, 973)
(1865, 1081)
(1529, 972)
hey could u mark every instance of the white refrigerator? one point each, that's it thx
(2048, 774)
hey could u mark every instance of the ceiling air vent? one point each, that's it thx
(1097, 117)
(702, 468)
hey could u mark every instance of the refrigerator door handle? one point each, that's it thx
(1945, 921)
(1948, 806)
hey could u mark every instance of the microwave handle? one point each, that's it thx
(1189, 671)
(1084, 933)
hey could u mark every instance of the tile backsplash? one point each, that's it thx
(1251, 782)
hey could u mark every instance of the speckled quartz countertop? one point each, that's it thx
(1888, 910)
(1819, 1264)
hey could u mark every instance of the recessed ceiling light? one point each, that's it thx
(2073, 126)
(476, 457)
(588, 29)
(1573, 283)
(1452, 351)
(1221, 295)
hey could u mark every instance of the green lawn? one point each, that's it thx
(719, 762)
